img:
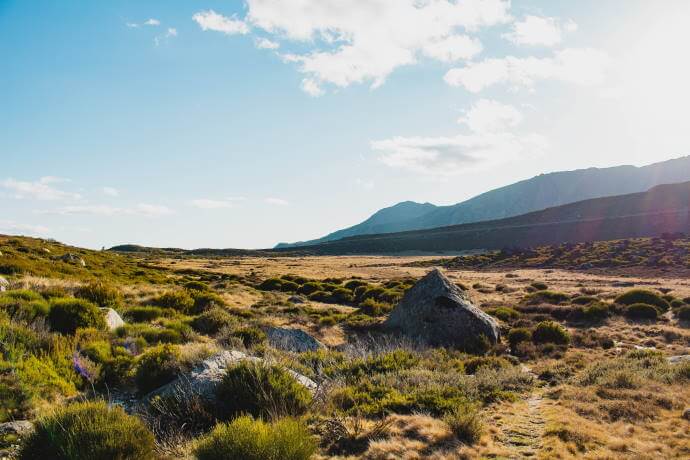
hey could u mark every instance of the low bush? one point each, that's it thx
(100, 294)
(204, 301)
(472, 365)
(271, 284)
(67, 315)
(584, 300)
(550, 332)
(89, 431)
(539, 286)
(212, 321)
(24, 310)
(248, 439)
(641, 311)
(683, 313)
(373, 308)
(156, 367)
(177, 300)
(261, 390)
(592, 312)
(504, 313)
(309, 288)
(465, 423)
(551, 297)
(518, 335)
(143, 314)
(196, 286)
(643, 296)
(250, 336)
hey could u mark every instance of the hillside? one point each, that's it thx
(663, 209)
(540, 192)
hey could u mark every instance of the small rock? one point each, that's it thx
(19, 428)
(73, 259)
(295, 340)
(46, 250)
(4, 284)
(112, 319)
(678, 359)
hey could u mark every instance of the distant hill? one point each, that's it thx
(662, 209)
(540, 192)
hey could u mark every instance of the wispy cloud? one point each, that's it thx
(210, 20)
(29, 229)
(170, 33)
(266, 44)
(110, 191)
(152, 22)
(42, 189)
(206, 203)
(142, 209)
(276, 201)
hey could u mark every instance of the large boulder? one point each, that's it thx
(295, 340)
(112, 319)
(204, 379)
(437, 312)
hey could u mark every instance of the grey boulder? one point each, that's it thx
(295, 340)
(112, 319)
(437, 312)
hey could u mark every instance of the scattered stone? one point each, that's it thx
(4, 284)
(73, 259)
(46, 250)
(18, 427)
(436, 311)
(296, 299)
(678, 359)
(112, 319)
(295, 340)
(204, 379)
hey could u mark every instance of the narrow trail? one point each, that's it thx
(521, 427)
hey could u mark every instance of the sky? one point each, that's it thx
(244, 123)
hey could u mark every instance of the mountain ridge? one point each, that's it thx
(533, 194)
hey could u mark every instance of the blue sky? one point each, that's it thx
(245, 123)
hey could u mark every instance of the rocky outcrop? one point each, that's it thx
(294, 340)
(204, 379)
(73, 259)
(112, 319)
(437, 312)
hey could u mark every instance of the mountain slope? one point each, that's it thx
(662, 209)
(540, 192)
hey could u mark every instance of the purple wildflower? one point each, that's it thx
(80, 367)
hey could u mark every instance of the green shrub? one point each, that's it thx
(248, 439)
(196, 286)
(373, 308)
(309, 288)
(643, 296)
(143, 314)
(518, 335)
(677, 303)
(320, 296)
(551, 297)
(24, 310)
(584, 300)
(212, 321)
(504, 313)
(68, 315)
(261, 390)
(539, 286)
(271, 284)
(465, 423)
(289, 286)
(156, 367)
(250, 336)
(641, 311)
(89, 431)
(23, 294)
(472, 365)
(204, 301)
(683, 313)
(100, 294)
(177, 300)
(342, 295)
(550, 332)
(354, 284)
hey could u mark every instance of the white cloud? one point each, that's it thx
(491, 141)
(312, 88)
(204, 203)
(266, 44)
(149, 22)
(454, 48)
(277, 201)
(26, 229)
(110, 191)
(537, 30)
(142, 209)
(363, 41)
(210, 20)
(171, 32)
(581, 66)
(487, 116)
(42, 189)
